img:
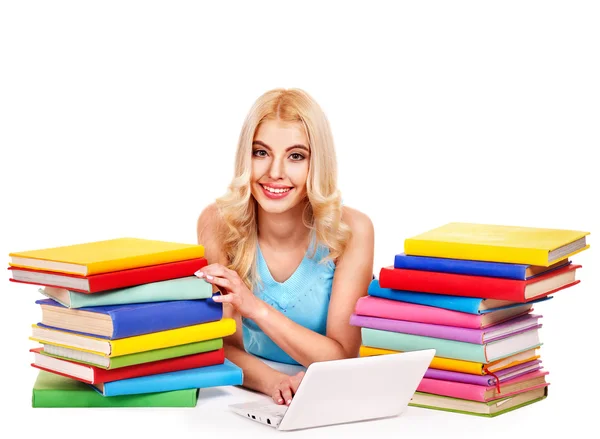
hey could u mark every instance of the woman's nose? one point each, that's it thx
(276, 169)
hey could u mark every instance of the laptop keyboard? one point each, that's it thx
(272, 410)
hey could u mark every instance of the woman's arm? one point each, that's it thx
(352, 276)
(257, 375)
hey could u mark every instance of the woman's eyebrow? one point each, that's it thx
(299, 146)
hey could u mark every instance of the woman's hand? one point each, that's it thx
(286, 387)
(235, 290)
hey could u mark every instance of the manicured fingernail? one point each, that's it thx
(289, 401)
(209, 277)
(280, 401)
(199, 274)
(216, 298)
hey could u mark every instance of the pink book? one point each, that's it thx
(473, 392)
(396, 310)
(467, 335)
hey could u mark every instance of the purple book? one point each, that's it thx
(477, 336)
(485, 380)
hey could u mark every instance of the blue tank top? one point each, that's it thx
(303, 298)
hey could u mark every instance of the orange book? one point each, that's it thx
(105, 256)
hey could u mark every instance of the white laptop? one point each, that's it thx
(350, 390)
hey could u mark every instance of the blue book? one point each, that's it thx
(471, 305)
(474, 268)
(121, 321)
(226, 374)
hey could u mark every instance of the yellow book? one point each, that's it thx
(105, 256)
(495, 243)
(139, 343)
(469, 367)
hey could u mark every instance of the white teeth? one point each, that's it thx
(276, 191)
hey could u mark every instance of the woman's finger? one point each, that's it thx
(286, 393)
(277, 396)
(296, 380)
(219, 281)
(224, 298)
(215, 270)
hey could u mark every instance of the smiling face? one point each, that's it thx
(280, 162)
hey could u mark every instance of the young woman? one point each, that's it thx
(289, 259)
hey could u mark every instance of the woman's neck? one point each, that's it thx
(284, 230)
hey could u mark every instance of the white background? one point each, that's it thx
(120, 118)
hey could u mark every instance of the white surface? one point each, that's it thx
(120, 118)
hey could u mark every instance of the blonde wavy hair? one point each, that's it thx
(323, 214)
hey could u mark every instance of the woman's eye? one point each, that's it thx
(296, 156)
(260, 153)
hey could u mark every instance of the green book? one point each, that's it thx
(52, 391)
(488, 409)
(183, 288)
(131, 359)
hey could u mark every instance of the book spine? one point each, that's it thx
(459, 266)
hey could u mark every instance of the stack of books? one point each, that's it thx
(468, 291)
(124, 323)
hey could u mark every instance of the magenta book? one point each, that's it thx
(468, 335)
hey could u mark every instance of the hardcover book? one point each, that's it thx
(55, 391)
(94, 375)
(97, 283)
(479, 286)
(226, 374)
(184, 288)
(497, 243)
(490, 334)
(105, 256)
(122, 321)
(471, 305)
(139, 343)
(468, 367)
(476, 408)
(474, 268)
(111, 363)
(393, 309)
(459, 350)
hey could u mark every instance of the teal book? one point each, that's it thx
(55, 391)
(226, 374)
(185, 288)
(457, 350)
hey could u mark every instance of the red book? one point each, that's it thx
(108, 281)
(478, 286)
(94, 375)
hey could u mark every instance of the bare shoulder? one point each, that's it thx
(208, 232)
(359, 222)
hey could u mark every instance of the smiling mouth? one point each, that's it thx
(276, 191)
